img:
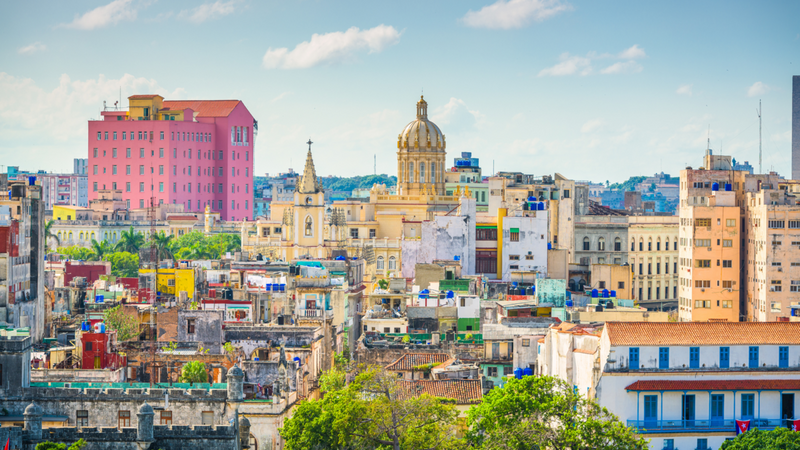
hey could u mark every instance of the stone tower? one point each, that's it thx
(33, 421)
(235, 380)
(145, 427)
(421, 156)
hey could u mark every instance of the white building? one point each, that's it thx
(683, 385)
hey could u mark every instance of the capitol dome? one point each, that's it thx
(421, 134)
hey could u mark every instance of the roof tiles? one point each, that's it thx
(204, 108)
(409, 360)
(703, 333)
(462, 391)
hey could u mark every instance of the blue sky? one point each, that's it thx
(592, 90)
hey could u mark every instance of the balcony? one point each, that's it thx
(715, 425)
(314, 313)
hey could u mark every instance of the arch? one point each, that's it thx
(421, 172)
(411, 172)
(633, 244)
(392, 263)
(586, 243)
(308, 226)
(105, 235)
(80, 236)
(641, 244)
(617, 244)
(92, 234)
(253, 442)
(379, 263)
(658, 244)
(70, 237)
(649, 244)
(400, 173)
(60, 236)
(666, 244)
(433, 172)
(601, 244)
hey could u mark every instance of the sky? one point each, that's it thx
(592, 90)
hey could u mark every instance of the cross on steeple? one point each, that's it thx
(309, 144)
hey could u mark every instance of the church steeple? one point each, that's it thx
(309, 184)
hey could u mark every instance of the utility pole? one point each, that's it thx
(759, 136)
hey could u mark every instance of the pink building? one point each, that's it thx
(195, 152)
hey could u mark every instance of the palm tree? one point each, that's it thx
(200, 250)
(130, 241)
(101, 249)
(48, 234)
(163, 243)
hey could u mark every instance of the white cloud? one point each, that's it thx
(208, 11)
(591, 125)
(569, 65)
(758, 88)
(507, 14)
(684, 89)
(456, 115)
(31, 49)
(105, 15)
(280, 96)
(331, 48)
(632, 53)
(622, 68)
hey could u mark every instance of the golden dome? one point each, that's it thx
(421, 134)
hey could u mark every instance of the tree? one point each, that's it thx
(101, 249)
(545, 412)
(124, 264)
(194, 372)
(126, 326)
(163, 243)
(76, 252)
(53, 446)
(48, 234)
(373, 411)
(755, 439)
(130, 241)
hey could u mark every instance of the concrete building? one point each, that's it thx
(601, 239)
(80, 166)
(772, 222)
(653, 257)
(682, 385)
(466, 173)
(196, 152)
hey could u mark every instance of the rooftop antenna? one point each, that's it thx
(759, 136)
(708, 141)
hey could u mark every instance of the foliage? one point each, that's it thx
(124, 264)
(130, 241)
(196, 245)
(755, 439)
(77, 253)
(628, 185)
(406, 339)
(426, 368)
(171, 347)
(48, 234)
(230, 351)
(468, 336)
(163, 243)
(350, 183)
(383, 283)
(194, 306)
(54, 446)
(126, 326)
(101, 249)
(545, 412)
(194, 372)
(370, 413)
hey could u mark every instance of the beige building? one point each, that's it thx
(709, 242)
(653, 257)
(772, 270)
(612, 277)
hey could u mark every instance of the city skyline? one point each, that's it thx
(528, 85)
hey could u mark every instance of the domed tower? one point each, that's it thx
(421, 155)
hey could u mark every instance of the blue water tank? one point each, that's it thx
(268, 287)
(715, 186)
(297, 360)
(340, 258)
(518, 373)
(527, 372)
(102, 327)
(532, 198)
(569, 303)
(540, 206)
(613, 294)
(549, 245)
(728, 187)
(605, 293)
(31, 181)
(424, 291)
(457, 258)
(594, 293)
(534, 289)
(256, 359)
(98, 299)
(450, 294)
(282, 287)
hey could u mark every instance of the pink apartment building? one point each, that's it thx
(193, 152)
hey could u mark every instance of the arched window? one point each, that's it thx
(658, 245)
(633, 245)
(60, 237)
(433, 172)
(70, 236)
(411, 172)
(309, 227)
(379, 263)
(392, 263)
(601, 244)
(421, 172)
(650, 244)
(400, 173)
(586, 243)
(617, 244)
(641, 244)
(666, 245)
(92, 234)
(80, 236)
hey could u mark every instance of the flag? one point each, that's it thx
(8, 441)
(795, 425)
(742, 426)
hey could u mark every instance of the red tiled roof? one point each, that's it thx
(182, 218)
(409, 360)
(462, 391)
(703, 333)
(716, 385)
(203, 108)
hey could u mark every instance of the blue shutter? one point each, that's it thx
(753, 357)
(783, 357)
(633, 353)
(724, 357)
(694, 357)
(663, 358)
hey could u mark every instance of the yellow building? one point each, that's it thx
(173, 281)
(653, 257)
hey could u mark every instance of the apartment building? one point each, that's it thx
(653, 256)
(683, 385)
(195, 152)
(772, 251)
(709, 242)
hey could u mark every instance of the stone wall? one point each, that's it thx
(207, 328)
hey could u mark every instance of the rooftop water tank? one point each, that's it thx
(594, 293)
(540, 206)
(98, 299)
(102, 327)
(532, 198)
(549, 245)
(256, 359)
(31, 181)
(728, 187)
(605, 293)
(450, 294)
(527, 372)
(569, 303)
(518, 373)
(715, 186)
(614, 294)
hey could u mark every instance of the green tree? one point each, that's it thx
(76, 252)
(54, 446)
(48, 234)
(371, 412)
(755, 439)
(545, 412)
(163, 243)
(194, 372)
(100, 250)
(124, 264)
(126, 326)
(130, 241)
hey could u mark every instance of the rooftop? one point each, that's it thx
(204, 108)
(410, 360)
(462, 391)
(715, 385)
(702, 333)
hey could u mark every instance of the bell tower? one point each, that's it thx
(309, 211)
